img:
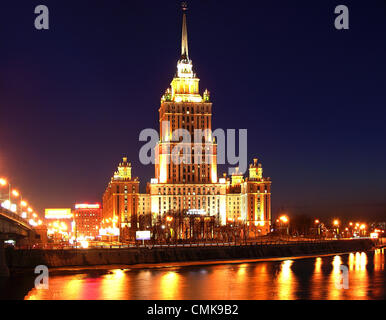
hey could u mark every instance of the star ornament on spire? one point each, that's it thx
(184, 42)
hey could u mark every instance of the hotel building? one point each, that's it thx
(191, 186)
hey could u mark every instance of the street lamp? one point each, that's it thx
(318, 225)
(4, 182)
(284, 219)
(336, 224)
(363, 229)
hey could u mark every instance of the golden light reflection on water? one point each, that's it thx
(241, 281)
(169, 286)
(334, 292)
(286, 282)
(359, 279)
(113, 285)
(259, 280)
(69, 288)
(259, 290)
(318, 265)
(378, 261)
(316, 281)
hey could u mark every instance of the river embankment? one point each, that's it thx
(27, 259)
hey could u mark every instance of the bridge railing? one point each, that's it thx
(15, 217)
(258, 242)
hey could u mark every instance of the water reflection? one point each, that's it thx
(169, 285)
(112, 285)
(317, 284)
(309, 278)
(334, 291)
(286, 284)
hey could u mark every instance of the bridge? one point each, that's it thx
(12, 227)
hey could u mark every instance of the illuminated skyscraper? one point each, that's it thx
(186, 182)
(183, 108)
(188, 179)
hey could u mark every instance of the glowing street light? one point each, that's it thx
(336, 224)
(23, 203)
(363, 229)
(15, 193)
(4, 182)
(318, 226)
(284, 219)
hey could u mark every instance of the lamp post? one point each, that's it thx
(363, 229)
(317, 222)
(284, 219)
(336, 224)
(4, 182)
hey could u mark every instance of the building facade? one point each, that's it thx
(88, 219)
(186, 179)
(121, 200)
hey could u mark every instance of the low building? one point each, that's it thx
(88, 220)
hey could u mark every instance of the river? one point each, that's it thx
(273, 279)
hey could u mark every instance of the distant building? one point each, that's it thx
(60, 223)
(121, 199)
(88, 220)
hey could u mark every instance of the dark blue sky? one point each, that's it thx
(74, 98)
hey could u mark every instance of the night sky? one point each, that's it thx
(75, 98)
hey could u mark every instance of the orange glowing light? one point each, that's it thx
(336, 222)
(58, 214)
(87, 206)
(3, 182)
(284, 219)
(316, 221)
(15, 193)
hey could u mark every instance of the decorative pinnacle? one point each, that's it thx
(184, 39)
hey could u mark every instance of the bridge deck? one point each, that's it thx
(10, 221)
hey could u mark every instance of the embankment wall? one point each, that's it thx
(130, 256)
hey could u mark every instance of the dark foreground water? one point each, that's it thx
(305, 278)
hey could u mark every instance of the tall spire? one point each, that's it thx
(184, 42)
